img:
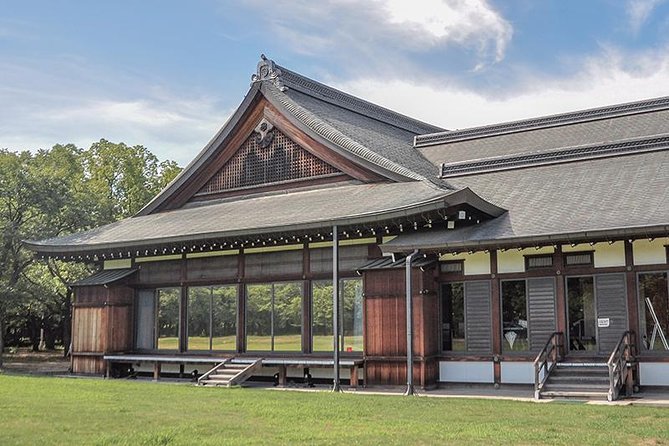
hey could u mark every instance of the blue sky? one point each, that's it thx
(166, 74)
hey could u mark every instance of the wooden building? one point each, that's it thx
(530, 252)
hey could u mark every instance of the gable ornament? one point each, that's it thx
(265, 131)
(268, 71)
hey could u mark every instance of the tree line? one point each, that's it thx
(50, 193)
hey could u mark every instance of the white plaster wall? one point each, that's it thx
(475, 263)
(609, 255)
(117, 264)
(654, 373)
(650, 252)
(513, 260)
(517, 372)
(466, 371)
(605, 255)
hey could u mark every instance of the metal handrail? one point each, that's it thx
(546, 360)
(620, 365)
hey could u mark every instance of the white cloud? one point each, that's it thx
(386, 35)
(611, 78)
(457, 21)
(71, 104)
(638, 12)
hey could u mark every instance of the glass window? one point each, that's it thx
(514, 316)
(654, 297)
(582, 315)
(168, 318)
(274, 317)
(212, 317)
(453, 317)
(350, 316)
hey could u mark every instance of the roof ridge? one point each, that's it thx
(335, 136)
(592, 114)
(337, 97)
(630, 146)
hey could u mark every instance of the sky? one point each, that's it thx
(166, 74)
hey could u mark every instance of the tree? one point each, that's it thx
(56, 192)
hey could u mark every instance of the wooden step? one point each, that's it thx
(575, 394)
(573, 387)
(561, 379)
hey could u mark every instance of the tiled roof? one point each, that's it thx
(601, 131)
(607, 198)
(105, 277)
(580, 116)
(278, 213)
(563, 155)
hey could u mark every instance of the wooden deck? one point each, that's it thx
(280, 363)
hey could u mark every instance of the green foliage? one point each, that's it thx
(56, 192)
(116, 412)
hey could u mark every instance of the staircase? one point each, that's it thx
(229, 374)
(581, 380)
(586, 378)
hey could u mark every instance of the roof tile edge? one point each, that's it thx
(593, 114)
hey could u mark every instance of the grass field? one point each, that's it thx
(82, 411)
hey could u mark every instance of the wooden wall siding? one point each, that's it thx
(385, 327)
(541, 309)
(611, 301)
(478, 316)
(254, 165)
(88, 365)
(90, 295)
(212, 268)
(350, 258)
(118, 321)
(88, 329)
(273, 264)
(167, 271)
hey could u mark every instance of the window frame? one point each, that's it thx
(527, 313)
(642, 314)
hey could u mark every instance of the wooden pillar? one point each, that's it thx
(560, 295)
(354, 376)
(183, 306)
(156, 371)
(282, 376)
(335, 306)
(241, 303)
(632, 299)
(307, 346)
(495, 296)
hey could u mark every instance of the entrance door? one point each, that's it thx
(596, 313)
(581, 315)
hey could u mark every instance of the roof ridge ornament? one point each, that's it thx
(268, 71)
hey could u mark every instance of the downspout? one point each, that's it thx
(409, 302)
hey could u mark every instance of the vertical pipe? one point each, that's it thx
(335, 307)
(409, 302)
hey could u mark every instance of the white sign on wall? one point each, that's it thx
(603, 322)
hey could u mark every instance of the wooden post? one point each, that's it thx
(241, 303)
(354, 376)
(495, 296)
(156, 371)
(282, 375)
(632, 306)
(335, 306)
(560, 296)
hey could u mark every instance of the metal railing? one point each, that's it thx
(546, 360)
(621, 365)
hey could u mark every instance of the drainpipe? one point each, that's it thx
(409, 302)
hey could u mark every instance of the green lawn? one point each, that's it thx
(120, 412)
